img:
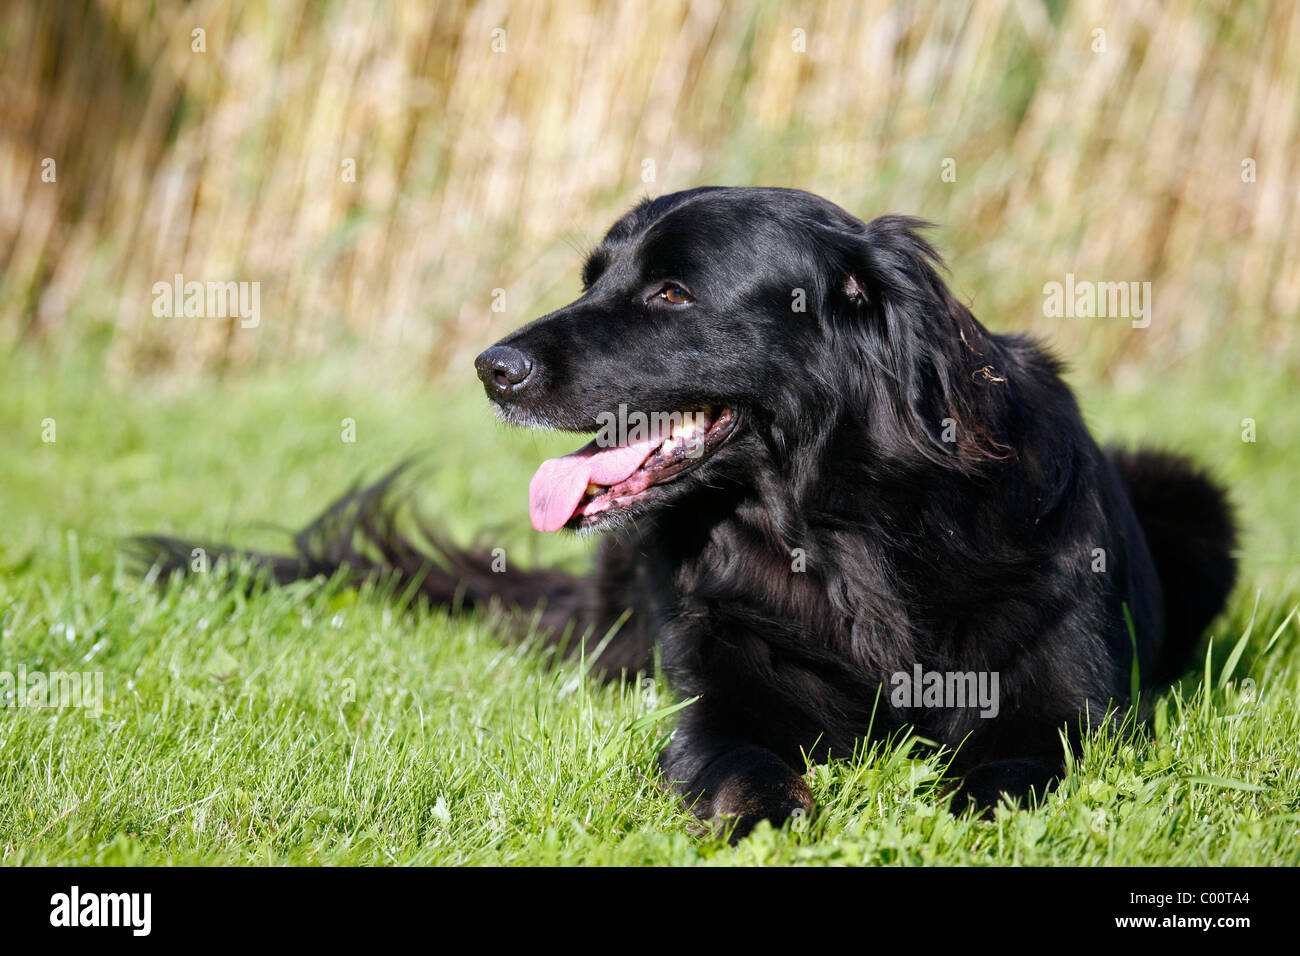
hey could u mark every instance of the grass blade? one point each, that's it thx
(1231, 666)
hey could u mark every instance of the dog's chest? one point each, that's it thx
(763, 613)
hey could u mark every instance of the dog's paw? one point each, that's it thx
(745, 802)
(736, 828)
(1017, 782)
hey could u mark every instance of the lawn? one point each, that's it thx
(321, 725)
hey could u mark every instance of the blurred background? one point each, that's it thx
(406, 181)
(491, 143)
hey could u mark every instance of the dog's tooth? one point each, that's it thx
(593, 488)
(686, 427)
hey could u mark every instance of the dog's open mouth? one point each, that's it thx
(604, 478)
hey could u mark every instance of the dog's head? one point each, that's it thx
(723, 333)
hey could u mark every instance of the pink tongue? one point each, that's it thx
(560, 483)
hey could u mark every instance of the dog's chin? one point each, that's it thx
(523, 416)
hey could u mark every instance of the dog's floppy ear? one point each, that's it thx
(918, 350)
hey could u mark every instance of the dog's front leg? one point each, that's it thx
(1017, 780)
(733, 785)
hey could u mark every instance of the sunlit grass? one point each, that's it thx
(315, 724)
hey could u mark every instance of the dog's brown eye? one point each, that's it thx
(675, 295)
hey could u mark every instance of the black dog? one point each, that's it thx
(869, 506)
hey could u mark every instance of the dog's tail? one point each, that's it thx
(1189, 527)
(359, 535)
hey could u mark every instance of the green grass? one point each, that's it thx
(321, 725)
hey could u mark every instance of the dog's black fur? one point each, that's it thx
(936, 481)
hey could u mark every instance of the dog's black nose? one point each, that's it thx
(504, 370)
